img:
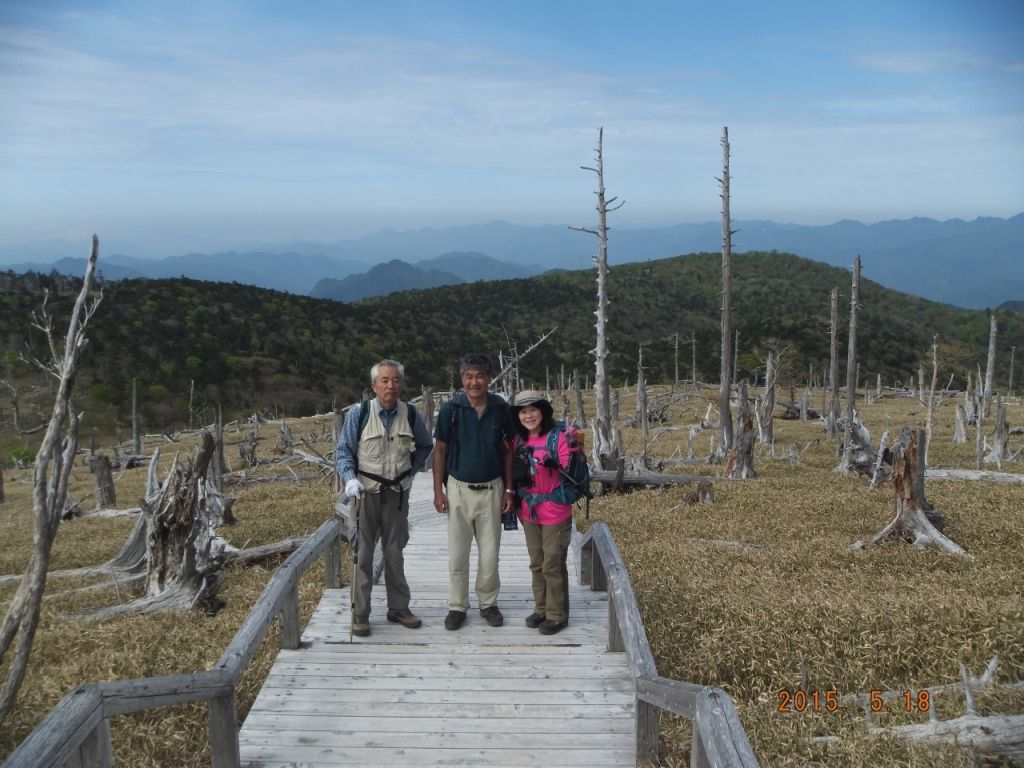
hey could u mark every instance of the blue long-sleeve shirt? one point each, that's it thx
(348, 444)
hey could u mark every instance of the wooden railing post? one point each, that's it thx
(290, 632)
(333, 563)
(615, 641)
(698, 757)
(648, 727)
(598, 578)
(223, 720)
(96, 750)
(586, 561)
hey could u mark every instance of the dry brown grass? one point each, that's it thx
(890, 618)
(743, 619)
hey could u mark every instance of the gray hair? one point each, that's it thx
(480, 362)
(387, 363)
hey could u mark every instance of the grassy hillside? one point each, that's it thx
(248, 348)
(797, 605)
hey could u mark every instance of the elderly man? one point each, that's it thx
(384, 442)
(473, 486)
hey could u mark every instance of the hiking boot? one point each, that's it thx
(405, 617)
(550, 627)
(454, 619)
(492, 615)
(534, 620)
(361, 626)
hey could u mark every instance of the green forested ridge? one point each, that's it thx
(249, 348)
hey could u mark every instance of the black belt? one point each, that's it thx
(479, 486)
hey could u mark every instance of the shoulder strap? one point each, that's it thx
(364, 416)
(412, 415)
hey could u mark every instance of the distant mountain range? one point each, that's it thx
(973, 264)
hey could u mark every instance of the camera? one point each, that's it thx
(509, 520)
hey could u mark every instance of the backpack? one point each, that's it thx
(574, 480)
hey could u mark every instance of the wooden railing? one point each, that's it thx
(76, 733)
(719, 740)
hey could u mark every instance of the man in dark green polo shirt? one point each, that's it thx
(473, 486)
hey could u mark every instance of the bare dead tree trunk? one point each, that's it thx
(979, 418)
(1013, 354)
(833, 371)
(3, 498)
(693, 360)
(970, 400)
(136, 435)
(675, 378)
(990, 367)
(615, 405)
(725, 369)
(740, 465)
(191, 398)
(931, 398)
(1000, 451)
(851, 365)
(219, 464)
(581, 414)
(247, 450)
(766, 407)
(53, 465)
(601, 447)
(106, 495)
(960, 426)
(641, 402)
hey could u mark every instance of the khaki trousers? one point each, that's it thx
(548, 546)
(384, 516)
(473, 515)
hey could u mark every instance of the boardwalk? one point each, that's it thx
(504, 696)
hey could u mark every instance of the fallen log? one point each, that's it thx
(610, 477)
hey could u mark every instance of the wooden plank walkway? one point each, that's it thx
(505, 696)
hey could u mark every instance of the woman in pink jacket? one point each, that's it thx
(546, 523)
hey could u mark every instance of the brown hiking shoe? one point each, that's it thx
(405, 617)
(361, 626)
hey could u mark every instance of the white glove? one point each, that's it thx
(354, 488)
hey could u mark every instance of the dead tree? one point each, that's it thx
(1000, 449)
(641, 403)
(740, 464)
(581, 414)
(990, 367)
(601, 448)
(960, 425)
(970, 398)
(247, 449)
(725, 369)
(766, 404)
(136, 435)
(3, 498)
(427, 408)
(106, 495)
(931, 397)
(851, 367)
(53, 464)
(915, 520)
(833, 420)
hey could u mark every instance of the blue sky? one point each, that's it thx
(205, 125)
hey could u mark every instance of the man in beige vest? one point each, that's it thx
(383, 444)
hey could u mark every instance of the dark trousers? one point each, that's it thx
(383, 516)
(548, 546)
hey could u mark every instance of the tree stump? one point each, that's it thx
(106, 496)
(915, 520)
(184, 557)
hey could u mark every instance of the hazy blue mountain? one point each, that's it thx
(973, 264)
(395, 275)
(472, 266)
(292, 272)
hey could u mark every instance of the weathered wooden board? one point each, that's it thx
(479, 696)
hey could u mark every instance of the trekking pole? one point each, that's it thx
(355, 503)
